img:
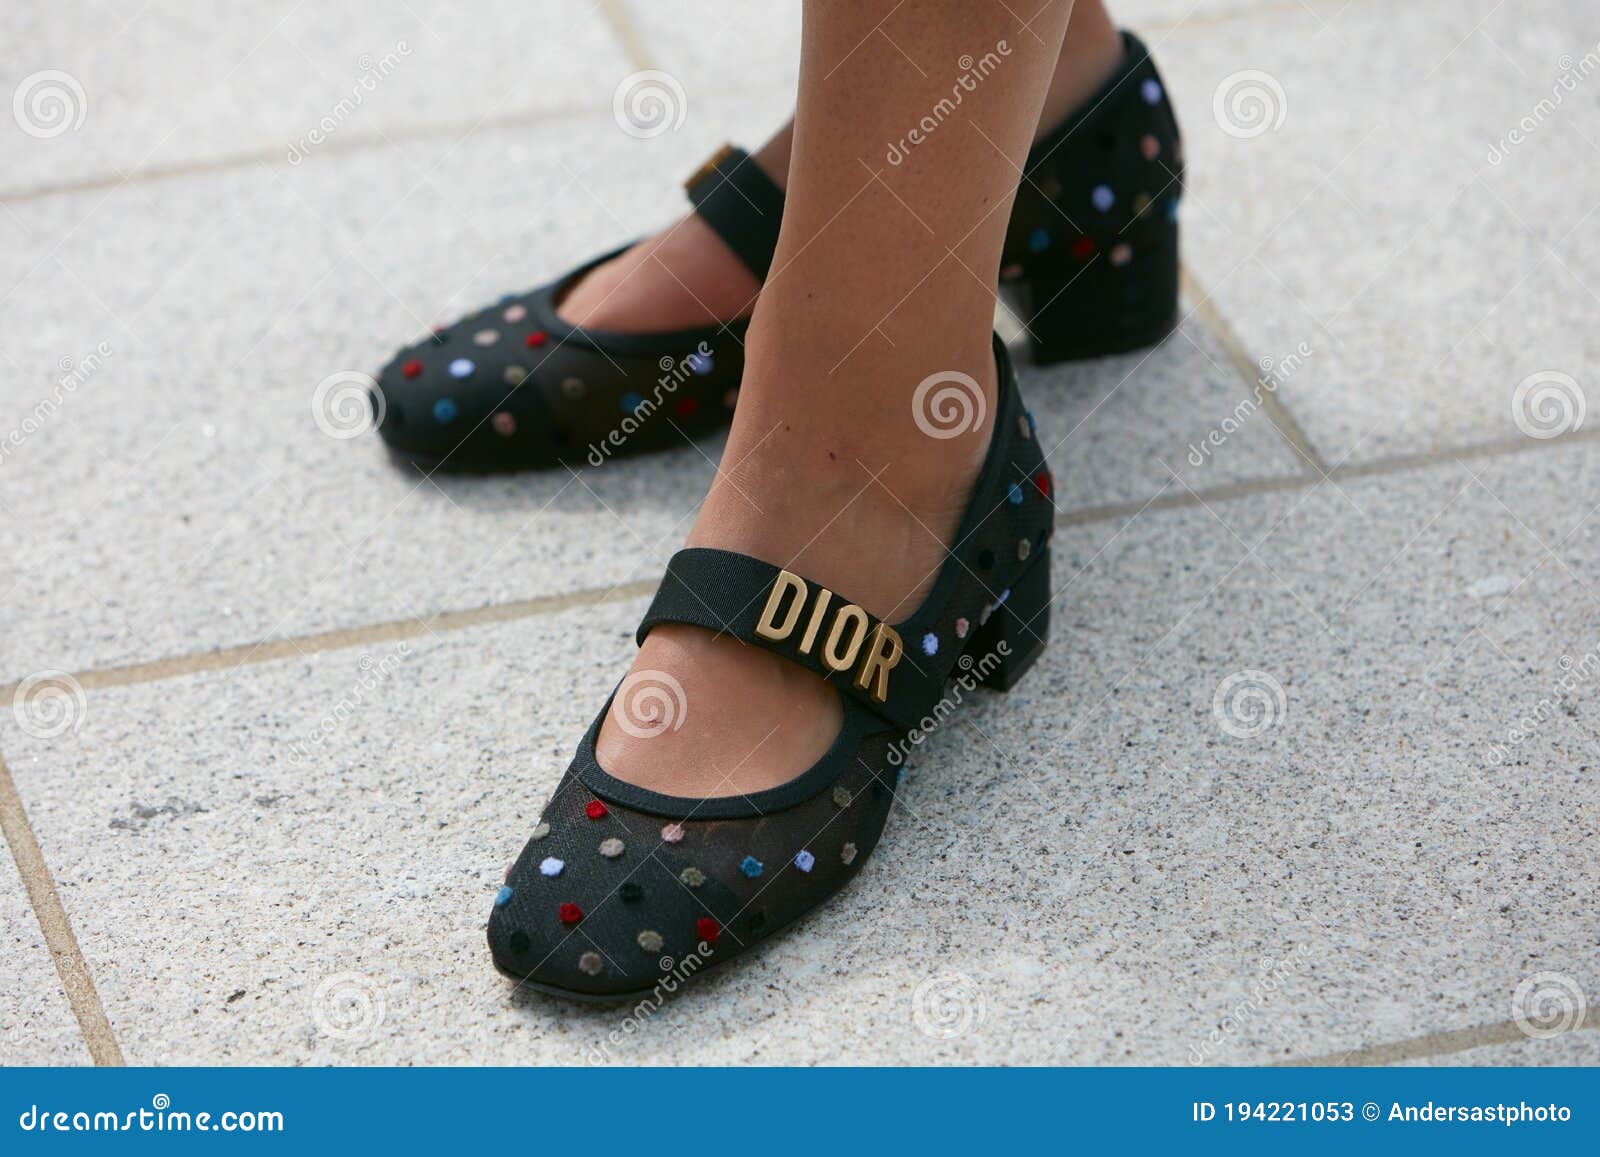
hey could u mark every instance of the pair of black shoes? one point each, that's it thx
(623, 891)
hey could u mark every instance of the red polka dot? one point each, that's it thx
(569, 913)
(595, 810)
(1082, 248)
(1042, 481)
(707, 929)
(412, 368)
(536, 339)
(686, 407)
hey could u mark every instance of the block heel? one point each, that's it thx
(1091, 259)
(1014, 636)
(1107, 303)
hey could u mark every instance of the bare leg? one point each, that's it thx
(685, 276)
(882, 277)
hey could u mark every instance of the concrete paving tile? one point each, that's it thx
(1385, 221)
(36, 1022)
(1172, 418)
(1244, 810)
(181, 494)
(167, 85)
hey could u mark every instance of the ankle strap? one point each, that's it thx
(741, 204)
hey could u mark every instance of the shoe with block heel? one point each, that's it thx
(1090, 267)
(624, 891)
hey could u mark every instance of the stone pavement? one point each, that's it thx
(1306, 775)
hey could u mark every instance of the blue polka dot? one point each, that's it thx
(1038, 241)
(1172, 209)
(461, 368)
(930, 644)
(1103, 198)
(700, 363)
(1151, 90)
(631, 402)
(805, 861)
(444, 410)
(1014, 495)
(750, 866)
(502, 897)
(1032, 425)
(507, 299)
(1004, 595)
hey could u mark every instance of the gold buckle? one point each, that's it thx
(709, 166)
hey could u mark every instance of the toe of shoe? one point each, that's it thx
(479, 404)
(608, 929)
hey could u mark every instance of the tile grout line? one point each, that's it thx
(1279, 483)
(273, 155)
(623, 28)
(1221, 329)
(617, 21)
(1436, 1044)
(71, 967)
(242, 654)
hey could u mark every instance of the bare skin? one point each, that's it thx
(882, 277)
(685, 276)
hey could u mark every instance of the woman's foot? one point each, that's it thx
(867, 510)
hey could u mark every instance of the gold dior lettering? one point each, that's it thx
(851, 634)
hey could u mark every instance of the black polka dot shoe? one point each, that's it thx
(1090, 268)
(1090, 264)
(624, 892)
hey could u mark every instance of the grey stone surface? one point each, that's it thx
(166, 84)
(182, 496)
(1372, 223)
(1165, 420)
(1092, 869)
(36, 1023)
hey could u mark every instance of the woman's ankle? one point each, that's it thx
(1090, 54)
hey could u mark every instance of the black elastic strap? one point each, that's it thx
(741, 204)
(726, 592)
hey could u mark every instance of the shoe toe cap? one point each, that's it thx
(574, 920)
